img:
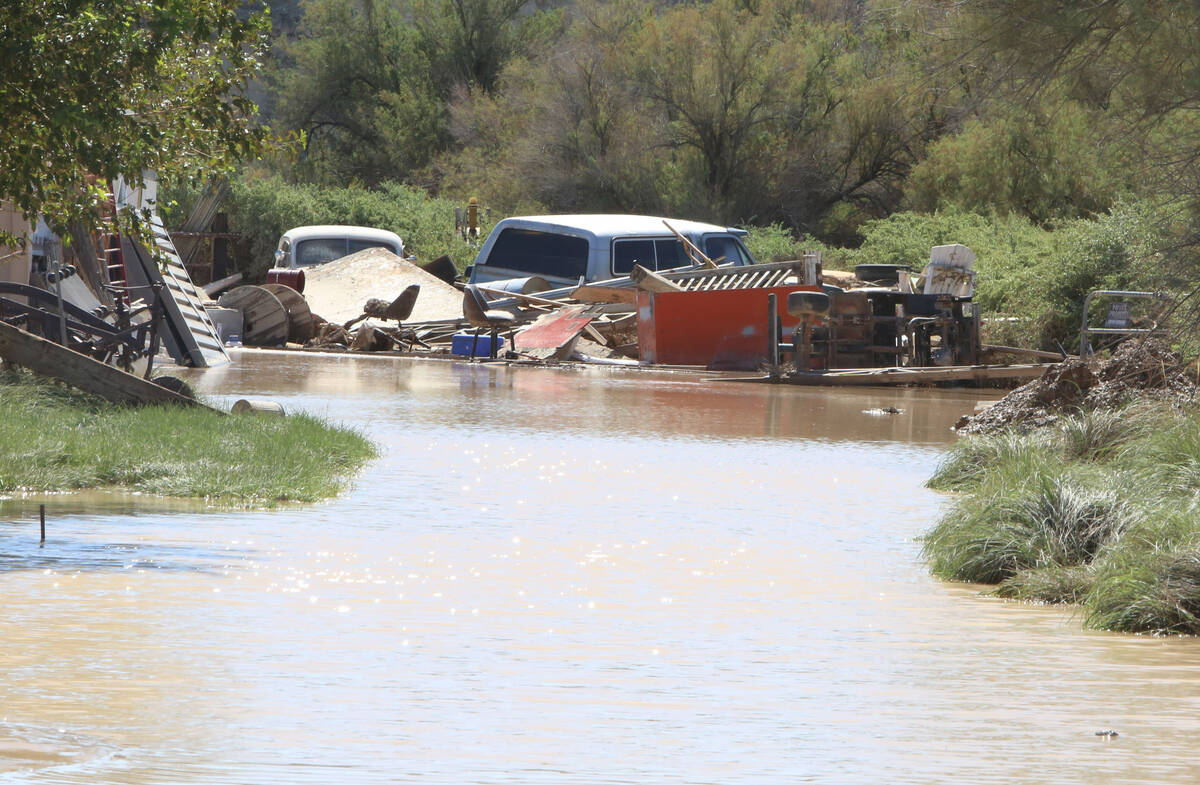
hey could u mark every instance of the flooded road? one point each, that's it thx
(575, 576)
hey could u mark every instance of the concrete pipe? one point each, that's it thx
(258, 406)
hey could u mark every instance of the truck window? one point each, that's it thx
(728, 247)
(671, 254)
(319, 250)
(540, 253)
(627, 253)
(662, 254)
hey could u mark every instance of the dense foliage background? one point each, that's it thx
(1060, 140)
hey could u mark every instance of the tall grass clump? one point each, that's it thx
(1158, 592)
(53, 438)
(1008, 453)
(1101, 509)
(1169, 459)
(1098, 434)
(1055, 521)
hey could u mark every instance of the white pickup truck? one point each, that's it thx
(570, 249)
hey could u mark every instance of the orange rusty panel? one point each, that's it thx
(722, 329)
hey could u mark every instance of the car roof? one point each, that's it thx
(333, 230)
(607, 226)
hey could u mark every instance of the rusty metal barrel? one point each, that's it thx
(287, 277)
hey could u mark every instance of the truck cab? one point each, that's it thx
(570, 249)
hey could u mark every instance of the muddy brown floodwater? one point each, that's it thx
(563, 576)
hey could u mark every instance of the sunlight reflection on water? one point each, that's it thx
(562, 576)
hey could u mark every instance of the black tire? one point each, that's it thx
(807, 303)
(175, 385)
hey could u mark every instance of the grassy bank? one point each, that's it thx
(53, 438)
(1102, 510)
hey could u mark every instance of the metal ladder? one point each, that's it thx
(191, 337)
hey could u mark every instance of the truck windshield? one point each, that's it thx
(319, 250)
(540, 253)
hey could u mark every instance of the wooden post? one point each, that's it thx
(773, 333)
(42, 516)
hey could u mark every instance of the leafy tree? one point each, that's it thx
(468, 42)
(93, 90)
(1137, 63)
(359, 93)
(1044, 164)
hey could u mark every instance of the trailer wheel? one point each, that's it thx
(175, 385)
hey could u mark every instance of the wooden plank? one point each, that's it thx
(47, 358)
(605, 294)
(695, 253)
(651, 281)
(553, 335)
(899, 376)
(529, 298)
(595, 335)
(988, 347)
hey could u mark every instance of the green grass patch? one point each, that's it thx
(1101, 510)
(53, 438)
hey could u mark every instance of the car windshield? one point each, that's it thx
(540, 253)
(319, 250)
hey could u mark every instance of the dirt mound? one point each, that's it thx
(338, 290)
(1138, 370)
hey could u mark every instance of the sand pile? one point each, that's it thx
(338, 290)
(1146, 370)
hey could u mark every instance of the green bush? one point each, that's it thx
(263, 208)
(776, 243)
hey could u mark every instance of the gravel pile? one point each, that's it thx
(1145, 370)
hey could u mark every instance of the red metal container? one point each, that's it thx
(722, 330)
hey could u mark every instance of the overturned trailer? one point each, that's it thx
(914, 331)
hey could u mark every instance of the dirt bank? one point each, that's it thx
(1138, 370)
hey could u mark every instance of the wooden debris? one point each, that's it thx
(651, 281)
(605, 294)
(696, 255)
(264, 319)
(527, 298)
(47, 358)
(442, 268)
(371, 339)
